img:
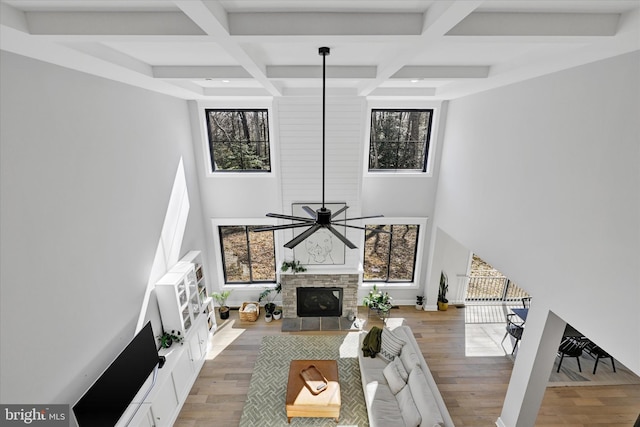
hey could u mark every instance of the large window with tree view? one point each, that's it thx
(238, 140)
(247, 256)
(390, 257)
(399, 140)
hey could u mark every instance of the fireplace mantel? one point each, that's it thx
(347, 281)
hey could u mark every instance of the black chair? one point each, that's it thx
(571, 347)
(597, 352)
(515, 329)
(526, 302)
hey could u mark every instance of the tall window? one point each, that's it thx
(238, 140)
(390, 257)
(399, 140)
(247, 256)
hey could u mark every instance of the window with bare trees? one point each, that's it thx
(238, 140)
(247, 256)
(399, 140)
(391, 257)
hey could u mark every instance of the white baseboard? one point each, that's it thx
(499, 423)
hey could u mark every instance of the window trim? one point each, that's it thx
(217, 243)
(421, 222)
(434, 138)
(258, 103)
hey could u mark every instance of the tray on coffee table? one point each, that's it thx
(315, 381)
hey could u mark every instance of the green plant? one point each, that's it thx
(221, 297)
(378, 300)
(295, 266)
(269, 294)
(444, 288)
(168, 338)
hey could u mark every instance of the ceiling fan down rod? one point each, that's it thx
(324, 51)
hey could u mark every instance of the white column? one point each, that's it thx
(534, 361)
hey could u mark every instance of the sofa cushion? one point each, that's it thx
(422, 394)
(390, 345)
(384, 406)
(394, 377)
(409, 358)
(410, 414)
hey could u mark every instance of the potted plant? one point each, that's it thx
(277, 314)
(221, 299)
(168, 338)
(419, 302)
(268, 317)
(443, 302)
(269, 295)
(295, 266)
(378, 301)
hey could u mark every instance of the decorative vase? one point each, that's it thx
(268, 317)
(443, 306)
(277, 314)
(224, 312)
(418, 306)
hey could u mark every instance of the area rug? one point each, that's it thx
(265, 405)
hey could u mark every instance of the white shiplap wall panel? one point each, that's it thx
(300, 148)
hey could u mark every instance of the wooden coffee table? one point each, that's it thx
(302, 403)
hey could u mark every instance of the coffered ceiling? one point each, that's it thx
(423, 49)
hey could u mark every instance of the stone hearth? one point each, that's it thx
(348, 282)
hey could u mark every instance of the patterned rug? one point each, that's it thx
(265, 405)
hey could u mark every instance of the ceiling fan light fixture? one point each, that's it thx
(322, 217)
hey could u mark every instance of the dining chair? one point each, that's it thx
(571, 347)
(597, 352)
(515, 329)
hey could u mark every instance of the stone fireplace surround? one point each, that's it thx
(348, 282)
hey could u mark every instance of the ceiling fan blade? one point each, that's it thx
(361, 217)
(280, 227)
(375, 230)
(341, 237)
(310, 211)
(292, 218)
(339, 211)
(299, 238)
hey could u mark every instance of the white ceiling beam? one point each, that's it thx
(200, 72)
(111, 23)
(105, 53)
(237, 92)
(13, 18)
(213, 19)
(333, 72)
(438, 20)
(537, 24)
(324, 23)
(442, 72)
(404, 92)
(627, 39)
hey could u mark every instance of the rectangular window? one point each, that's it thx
(247, 256)
(239, 140)
(399, 140)
(390, 257)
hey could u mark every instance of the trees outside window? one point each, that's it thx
(399, 140)
(247, 256)
(391, 257)
(238, 140)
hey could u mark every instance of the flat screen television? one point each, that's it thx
(107, 399)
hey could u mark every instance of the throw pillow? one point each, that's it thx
(390, 345)
(409, 358)
(410, 414)
(400, 367)
(393, 377)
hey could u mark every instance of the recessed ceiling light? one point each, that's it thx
(225, 81)
(415, 80)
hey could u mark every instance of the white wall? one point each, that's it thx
(541, 180)
(87, 171)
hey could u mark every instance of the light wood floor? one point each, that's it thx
(473, 387)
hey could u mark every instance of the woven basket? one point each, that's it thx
(250, 316)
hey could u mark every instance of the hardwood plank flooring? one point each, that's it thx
(473, 387)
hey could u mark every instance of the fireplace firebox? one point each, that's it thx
(319, 302)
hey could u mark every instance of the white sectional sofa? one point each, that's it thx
(401, 391)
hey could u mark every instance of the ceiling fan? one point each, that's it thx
(321, 218)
